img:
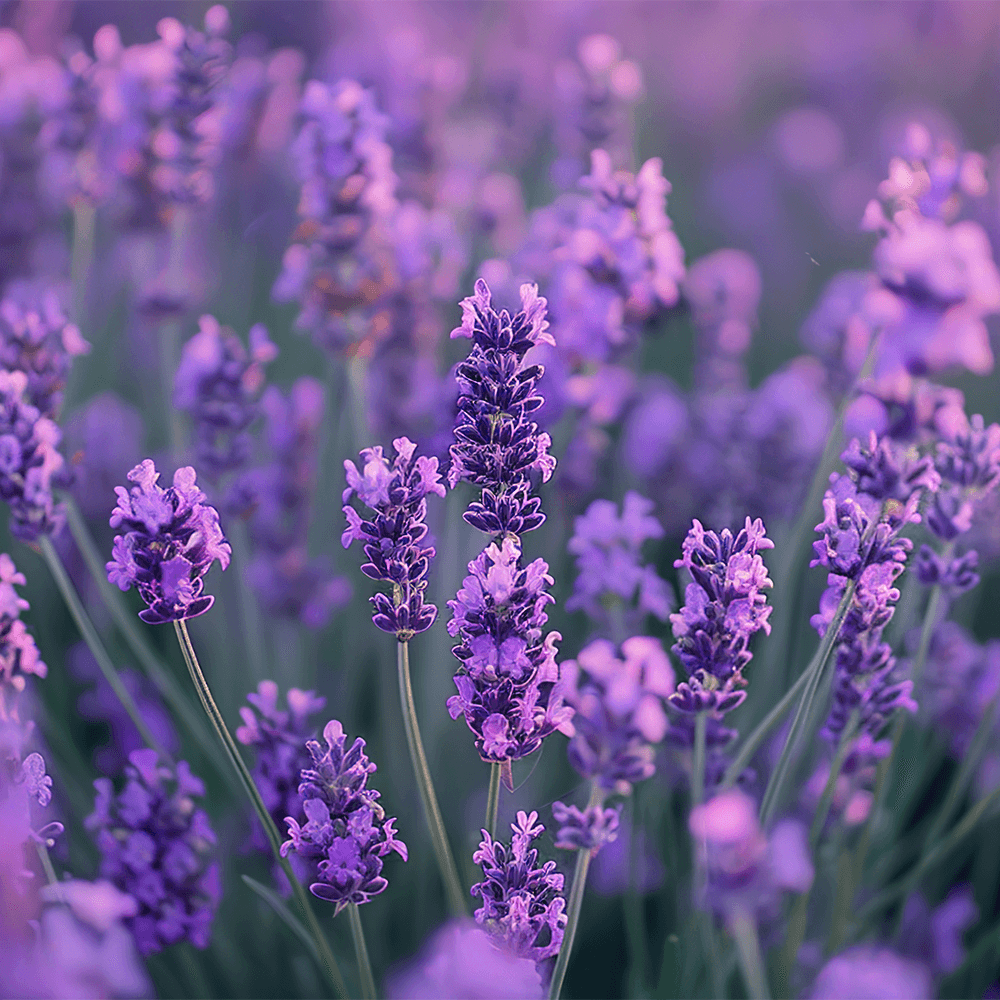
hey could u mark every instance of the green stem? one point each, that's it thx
(89, 633)
(779, 777)
(361, 953)
(253, 634)
(329, 963)
(826, 799)
(493, 799)
(125, 621)
(698, 759)
(84, 216)
(439, 838)
(930, 622)
(744, 931)
(573, 907)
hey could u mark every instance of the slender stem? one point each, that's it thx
(253, 634)
(780, 775)
(574, 905)
(329, 963)
(439, 838)
(744, 931)
(698, 759)
(180, 223)
(89, 633)
(826, 799)
(361, 953)
(125, 621)
(50, 872)
(930, 622)
(84, 217)
(493, 799)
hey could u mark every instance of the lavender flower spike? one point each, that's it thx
(398, 495)
(172, 538)
(346, 833)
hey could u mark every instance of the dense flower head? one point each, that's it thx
(608, 547)
(37, 339)
(885, 471)
(172, 537)
(219, 382)
(337, 266)
(464, 962)
(279, 736)
(158, 846)
(497, 445)
(522, 901)
(19, 657)
(585, 829)
(398, 495)
(509, 686)
(747, 870)
(619, 709)
(346, 834)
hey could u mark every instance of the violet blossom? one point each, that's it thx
(19, 656)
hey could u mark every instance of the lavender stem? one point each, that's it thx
(751, 960)
(439, 838)
(698, 760)
(90, 636)
(361, 953)
(329, 963)
(826, 799)
(493, 799)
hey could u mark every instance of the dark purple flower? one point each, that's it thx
(955, 575)
(509, 687)
(346, 834)
(586, 830)
(398, 495)
(218, 382)
(157, 846)
(885, 471)
(618, 707)
(522, 902)
(279, 736)
(172, 538)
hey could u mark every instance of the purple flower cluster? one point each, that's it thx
(398, 495)
(218, 382)
(157, 846)
(279, 736)
(608, 547)
(497, 445)
(346, 834)
(19, 657)
(585, 829)
(338, 266)
(618, 708)
(522, 901)
(509, 688)
(172, 537)
(277, 498)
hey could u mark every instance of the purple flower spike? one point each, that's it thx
(346, 834)
(398, 495)
(522, 901)
(497, 445)
(587, 830)
(156, 845)
(172, 538)
(19, 657)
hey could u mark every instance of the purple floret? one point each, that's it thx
(346, 834)
(172, 537)
(585, 830)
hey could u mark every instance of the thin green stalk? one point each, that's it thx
(50, 872)
(826, 799)
(779, 777)
(84, 217)
(573, 907)
(698, 759)
(253, 634)
(930, 622)
(125, 621)
(169, 336)
(439, 838)
(493, 799)
(329, 963)
(744, 931)
(361, 953)
(93, 640)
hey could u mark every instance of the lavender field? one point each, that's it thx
(503, 499)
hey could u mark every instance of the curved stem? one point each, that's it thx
(493, 799)
(125, 621)
(93, 640)
(826, 799)
(329, 963)
(439, 838)
(361, 953)
(698, 759)
(744, 931)
(803, 711)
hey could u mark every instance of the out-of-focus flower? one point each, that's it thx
(172, 537)
(874, 972)
(935, 936)
(587, 829)
(19, 657)
(346, 834)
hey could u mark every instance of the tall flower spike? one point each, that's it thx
(346, 834)
(398, 495)
(497, 445)
(172, 537)
(157, 846)
(522, 901)
(18, 653)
